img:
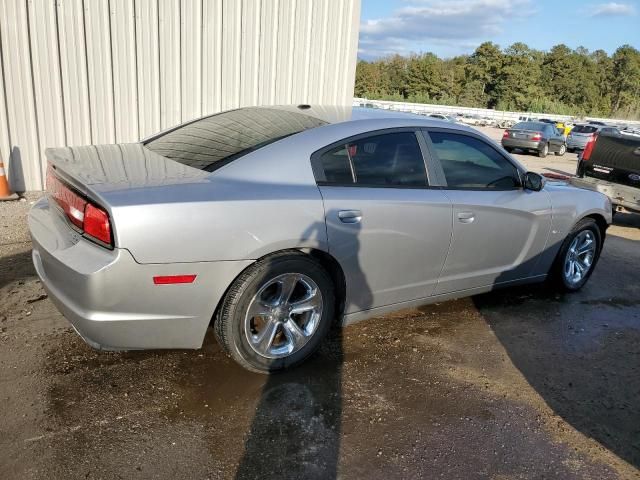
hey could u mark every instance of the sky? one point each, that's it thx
(453, 27)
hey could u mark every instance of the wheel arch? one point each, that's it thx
(327, 261)
(601, 222)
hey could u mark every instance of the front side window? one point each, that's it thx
(390, 159)
(471, 163)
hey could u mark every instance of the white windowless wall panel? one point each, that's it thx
(78, 72)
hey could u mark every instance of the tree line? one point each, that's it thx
(517, 78)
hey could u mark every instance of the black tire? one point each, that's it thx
(229, 324)
(562, 151)
(508, 149)
(557, 275)
(543, 152)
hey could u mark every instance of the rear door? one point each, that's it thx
(499, 229)
(386, 226)
(556, 139)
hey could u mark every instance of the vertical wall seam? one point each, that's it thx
(180, 60)
(159, 66)
(113, 80)
(6, 101)
(33, 94)
(86, 66)
(202, 93)
(62, 98)
(135, 70)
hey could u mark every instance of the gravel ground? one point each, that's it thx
(521, 383)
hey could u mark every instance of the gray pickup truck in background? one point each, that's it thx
(610, 164)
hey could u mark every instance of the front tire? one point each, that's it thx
(578, 256)
(562, 151)
(276, 313)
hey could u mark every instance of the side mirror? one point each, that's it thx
(533, 181)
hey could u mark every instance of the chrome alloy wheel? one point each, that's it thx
(283, 316)
(579, 257)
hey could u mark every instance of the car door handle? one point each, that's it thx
(350, 216)
(466, 217)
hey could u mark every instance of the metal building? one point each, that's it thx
(76, 72)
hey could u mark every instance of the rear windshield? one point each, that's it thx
(584, 129)
(211, 142)
(530, 126)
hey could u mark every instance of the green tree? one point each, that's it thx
(625, 81)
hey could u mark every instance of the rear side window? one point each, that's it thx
(471, 163)
(584, 129)
(390, 159)
(211, 142)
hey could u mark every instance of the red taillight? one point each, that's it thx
(505, 134)
(96, 224)
(171, 279)
(586, 155)
(537, 137)
(88, 218)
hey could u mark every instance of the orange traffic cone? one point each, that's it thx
(5, 192)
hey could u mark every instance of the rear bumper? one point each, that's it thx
(521, 143)
(111, 300)
(622, 195)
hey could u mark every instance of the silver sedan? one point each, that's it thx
(271, 223)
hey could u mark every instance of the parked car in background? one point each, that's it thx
(597, 122)
(270, 223)
(610, 164)
(580, 135)
(442, 116)
(473, 120)
(539, 137)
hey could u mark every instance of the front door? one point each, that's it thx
(499, 229)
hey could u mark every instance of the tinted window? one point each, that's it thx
(584, 129)
(213, 141)
(391, 159)
(471, 163)
(536, 126)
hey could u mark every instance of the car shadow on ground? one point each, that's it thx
(296, 429)
(580, 351)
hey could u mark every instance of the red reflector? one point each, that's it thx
(505, 134)
(171, 279)
(96, 224)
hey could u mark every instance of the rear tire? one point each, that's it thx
(260, 328)
(562, 151)
(562, 274)
(543, 152)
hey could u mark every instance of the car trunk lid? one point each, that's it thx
(522, 134)
(95, 170)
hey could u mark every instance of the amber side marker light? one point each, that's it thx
(173, 279)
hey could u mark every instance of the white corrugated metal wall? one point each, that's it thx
(77, 72)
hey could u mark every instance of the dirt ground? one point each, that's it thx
(517, 384)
